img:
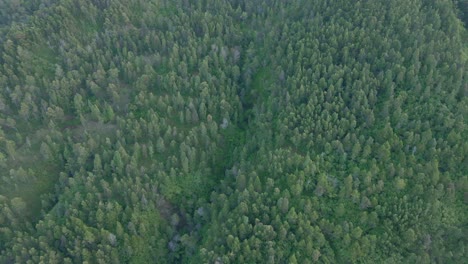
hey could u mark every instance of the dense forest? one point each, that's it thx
(233, 131)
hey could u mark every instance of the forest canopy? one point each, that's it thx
(233, 131)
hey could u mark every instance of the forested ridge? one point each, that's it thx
(232, 131)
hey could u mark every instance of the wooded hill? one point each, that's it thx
(231, 131)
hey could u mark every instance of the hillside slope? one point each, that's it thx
(233, 132)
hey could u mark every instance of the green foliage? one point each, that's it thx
(233, 131)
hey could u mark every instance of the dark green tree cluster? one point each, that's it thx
(233, 131)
